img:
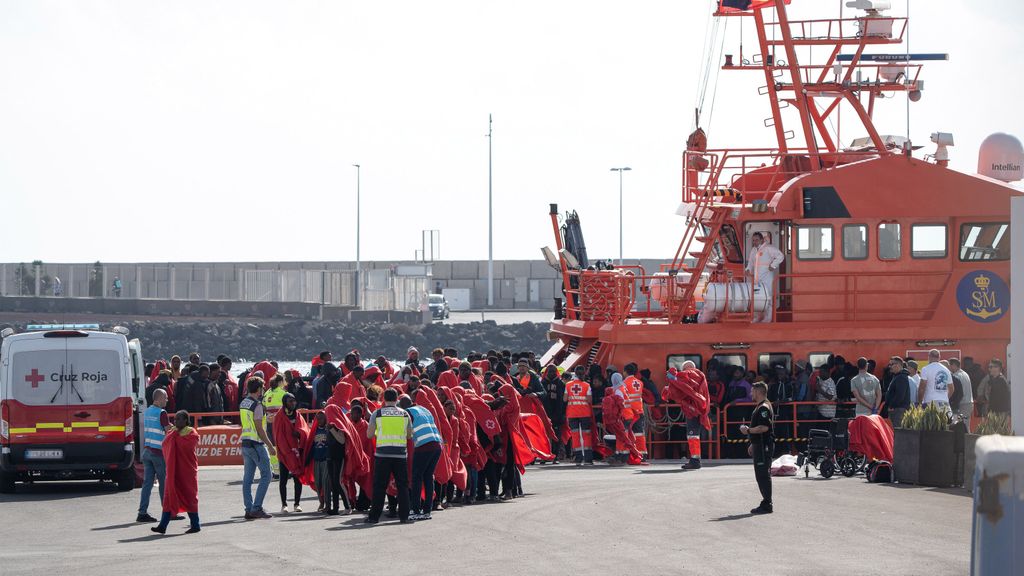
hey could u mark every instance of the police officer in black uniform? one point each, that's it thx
(762, 444)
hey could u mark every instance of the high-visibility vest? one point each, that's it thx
(246, 415)
(423, 428)
(577, 395)
(152, 431)
(392, 430)
(273, 400)
(634, 389)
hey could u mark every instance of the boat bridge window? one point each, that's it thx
(889, 241)
(928, 241)
(676, 361)
(855, 242)
(814, 242)
(985, 241)
(766, 362)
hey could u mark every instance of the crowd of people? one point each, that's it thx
(420, 435)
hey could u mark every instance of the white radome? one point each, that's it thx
(1001, 157)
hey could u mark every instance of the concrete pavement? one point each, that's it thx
(600, 520)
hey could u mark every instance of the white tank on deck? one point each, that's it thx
(738, 296)
(1001, 157)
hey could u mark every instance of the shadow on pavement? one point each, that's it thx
(120, 526)
(152, 536)
(962, 492)
(732, 517)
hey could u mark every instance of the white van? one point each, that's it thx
(69, 397)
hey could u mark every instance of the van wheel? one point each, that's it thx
(126, 480)
(6, 483)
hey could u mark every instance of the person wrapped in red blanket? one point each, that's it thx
(291, 436)
(351, 466)
(181, 494)
(689, 388)
(613, 408)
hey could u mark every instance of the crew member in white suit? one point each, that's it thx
(762, 264)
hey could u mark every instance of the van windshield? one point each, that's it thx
(79, 377)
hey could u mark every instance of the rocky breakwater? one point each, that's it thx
(300, 340)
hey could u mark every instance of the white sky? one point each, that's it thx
(225, 130)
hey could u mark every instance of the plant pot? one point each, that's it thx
(906, 455)
(937, 464)
(970, 440)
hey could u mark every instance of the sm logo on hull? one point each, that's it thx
(983, 296)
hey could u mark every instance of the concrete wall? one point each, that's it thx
(157, 307)
(524, 284)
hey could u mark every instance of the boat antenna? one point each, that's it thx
(905, 79)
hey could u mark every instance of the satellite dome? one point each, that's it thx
(1001, 157)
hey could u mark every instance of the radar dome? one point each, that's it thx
(1001, 157)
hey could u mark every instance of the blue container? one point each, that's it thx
(997, 531)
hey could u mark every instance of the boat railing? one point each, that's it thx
(854, 296)
(629, 294)
(727, 173)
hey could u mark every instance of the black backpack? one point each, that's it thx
(879, 471)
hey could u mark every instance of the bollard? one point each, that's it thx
(998, 507)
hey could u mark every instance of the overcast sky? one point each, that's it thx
(226, 130)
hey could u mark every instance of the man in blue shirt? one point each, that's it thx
(155, 423)
(426, 454)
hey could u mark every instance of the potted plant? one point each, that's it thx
(996, 423)
(907, 447)
(938, 457)
(926, 446)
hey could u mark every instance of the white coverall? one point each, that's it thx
(762, 264)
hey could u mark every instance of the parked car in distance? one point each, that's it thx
(439, 306)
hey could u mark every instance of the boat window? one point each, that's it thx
(889, 241)
(730, 244)
(928, 241)
(816, 359)
(676, 361)
(767, 361)
(731, 360)
(814, 242)
(855, 242)
(985, 241)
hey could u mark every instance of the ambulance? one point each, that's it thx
(70, 396)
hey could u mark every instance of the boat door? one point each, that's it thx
(776, 234)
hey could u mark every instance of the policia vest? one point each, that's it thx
(391, 432)
(246, 414)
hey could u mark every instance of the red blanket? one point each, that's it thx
(689, 389)
(292, 440)
(181, 494)
(612, 408)
(872, 437)
(533, 405)
(510, 416)
(357, 464)
(448, 379)
(427, 398)
(485, 417)
(268, 372)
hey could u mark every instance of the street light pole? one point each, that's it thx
(358, 222)
(490, 215)
(620, 171)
